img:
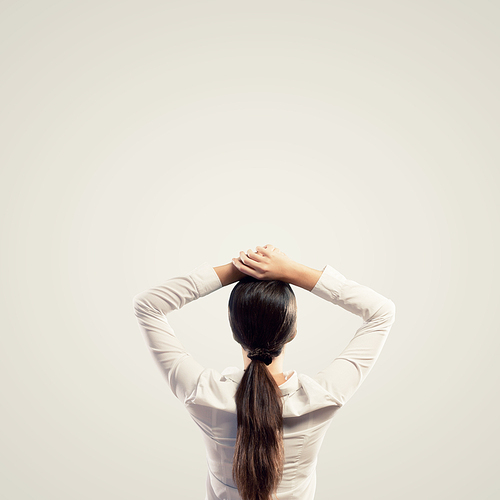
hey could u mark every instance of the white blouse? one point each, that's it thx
(309, 403)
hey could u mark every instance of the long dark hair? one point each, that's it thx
(262, 316)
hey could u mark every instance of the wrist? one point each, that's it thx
(228, 274)
(291, 273)
(303, 276)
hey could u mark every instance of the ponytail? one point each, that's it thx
(259, 452)
(263, 318)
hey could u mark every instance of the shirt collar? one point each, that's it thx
(290, 385)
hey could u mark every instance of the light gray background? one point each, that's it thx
(140, 139)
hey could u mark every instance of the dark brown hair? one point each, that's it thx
(262, 315)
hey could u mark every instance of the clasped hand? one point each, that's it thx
(267, 263)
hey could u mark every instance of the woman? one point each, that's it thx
(263, 427)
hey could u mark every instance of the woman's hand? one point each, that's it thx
(268, 263)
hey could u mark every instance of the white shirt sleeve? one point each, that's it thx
(348, 370)
(152, 308)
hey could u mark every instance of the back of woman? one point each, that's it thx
(262, 427)
(303, 433)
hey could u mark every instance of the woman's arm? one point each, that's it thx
(303, 276)
(228, 274)
(345, 374)
(153, 308)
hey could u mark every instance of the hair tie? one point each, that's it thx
(260, 355)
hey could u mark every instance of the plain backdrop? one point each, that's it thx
(142, 138)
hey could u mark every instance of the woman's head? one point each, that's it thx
(263, 314)
(263, 318)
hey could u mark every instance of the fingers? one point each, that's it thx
(247, 260)
(264, 250)
(242, 267)
(255, 256)
(272, 248)
(250, 263)
(259, 255)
